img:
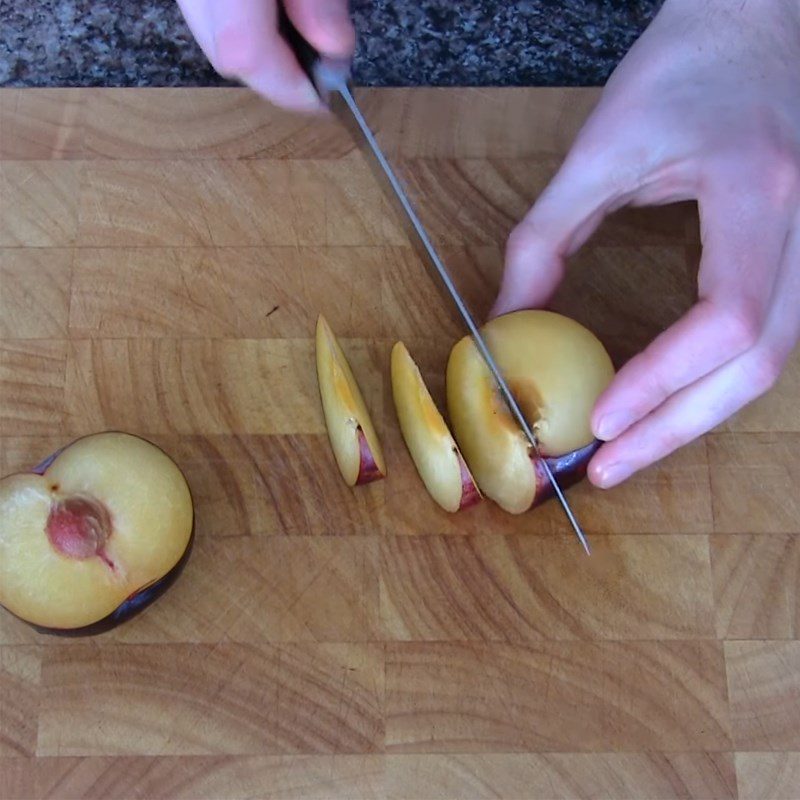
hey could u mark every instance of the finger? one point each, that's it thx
(568, 211)
(196, 14)
(688, 414)
(247, 45)
(325, 24)
(737, 276)
(702, 406)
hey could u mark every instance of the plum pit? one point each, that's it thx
(529, 400)
(79, 527)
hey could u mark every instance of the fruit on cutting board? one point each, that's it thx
(352, 435)
(556, 370)
(433, 449)
(93, 535)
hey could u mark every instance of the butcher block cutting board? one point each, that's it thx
(165, 254)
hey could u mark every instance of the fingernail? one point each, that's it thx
(613, 424)
(612, 474)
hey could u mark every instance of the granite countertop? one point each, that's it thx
(400, 42)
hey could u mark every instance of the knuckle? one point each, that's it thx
(775, 162)
(764, 370)
(533, 265)
(587, 152)
(518, 246)
(520, 238)
(525, 242)
(780, 177)
(656, 386)
(741, 326)
(600, 161)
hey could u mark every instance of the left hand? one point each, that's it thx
(705, 106)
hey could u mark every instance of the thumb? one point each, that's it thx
(566, 214)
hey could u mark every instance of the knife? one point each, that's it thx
(331, 79)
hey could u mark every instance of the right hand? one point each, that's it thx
(241, 40)
(706, 107)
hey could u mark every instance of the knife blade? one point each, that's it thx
(331, 78)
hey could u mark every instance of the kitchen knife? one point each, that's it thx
(331, 78)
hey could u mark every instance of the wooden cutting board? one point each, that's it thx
(164, 256)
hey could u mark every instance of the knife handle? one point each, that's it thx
(326, 73)
(306, 55)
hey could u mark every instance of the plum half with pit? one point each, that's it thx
(556, 369)
(93, 535)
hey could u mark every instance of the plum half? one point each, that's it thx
(556, 370)
(93, 535)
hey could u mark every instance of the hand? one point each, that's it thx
(241, 40)
(705, 106)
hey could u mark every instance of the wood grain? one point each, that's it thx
(258, 293)
(508, 125)
(757, 586)
(32, 378)
(200, 385)
(39, 203)
(19, 700)
(526, 588)
(764, 685)
(195, 699)
(556, 696)
(234, 203)
(213, 123)
(339, 777)
(768, 776)
(34, 292)
(41, 124)
(17, 777)
(210, 123)
(561, 776)
(164, 254)
(753, 481)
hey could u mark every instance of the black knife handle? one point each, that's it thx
(328, 74)
(306, 55)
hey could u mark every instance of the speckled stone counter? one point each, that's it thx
(401, 42)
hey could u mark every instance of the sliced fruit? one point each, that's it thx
(433, 449)
(352, 435)
(556, 370)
